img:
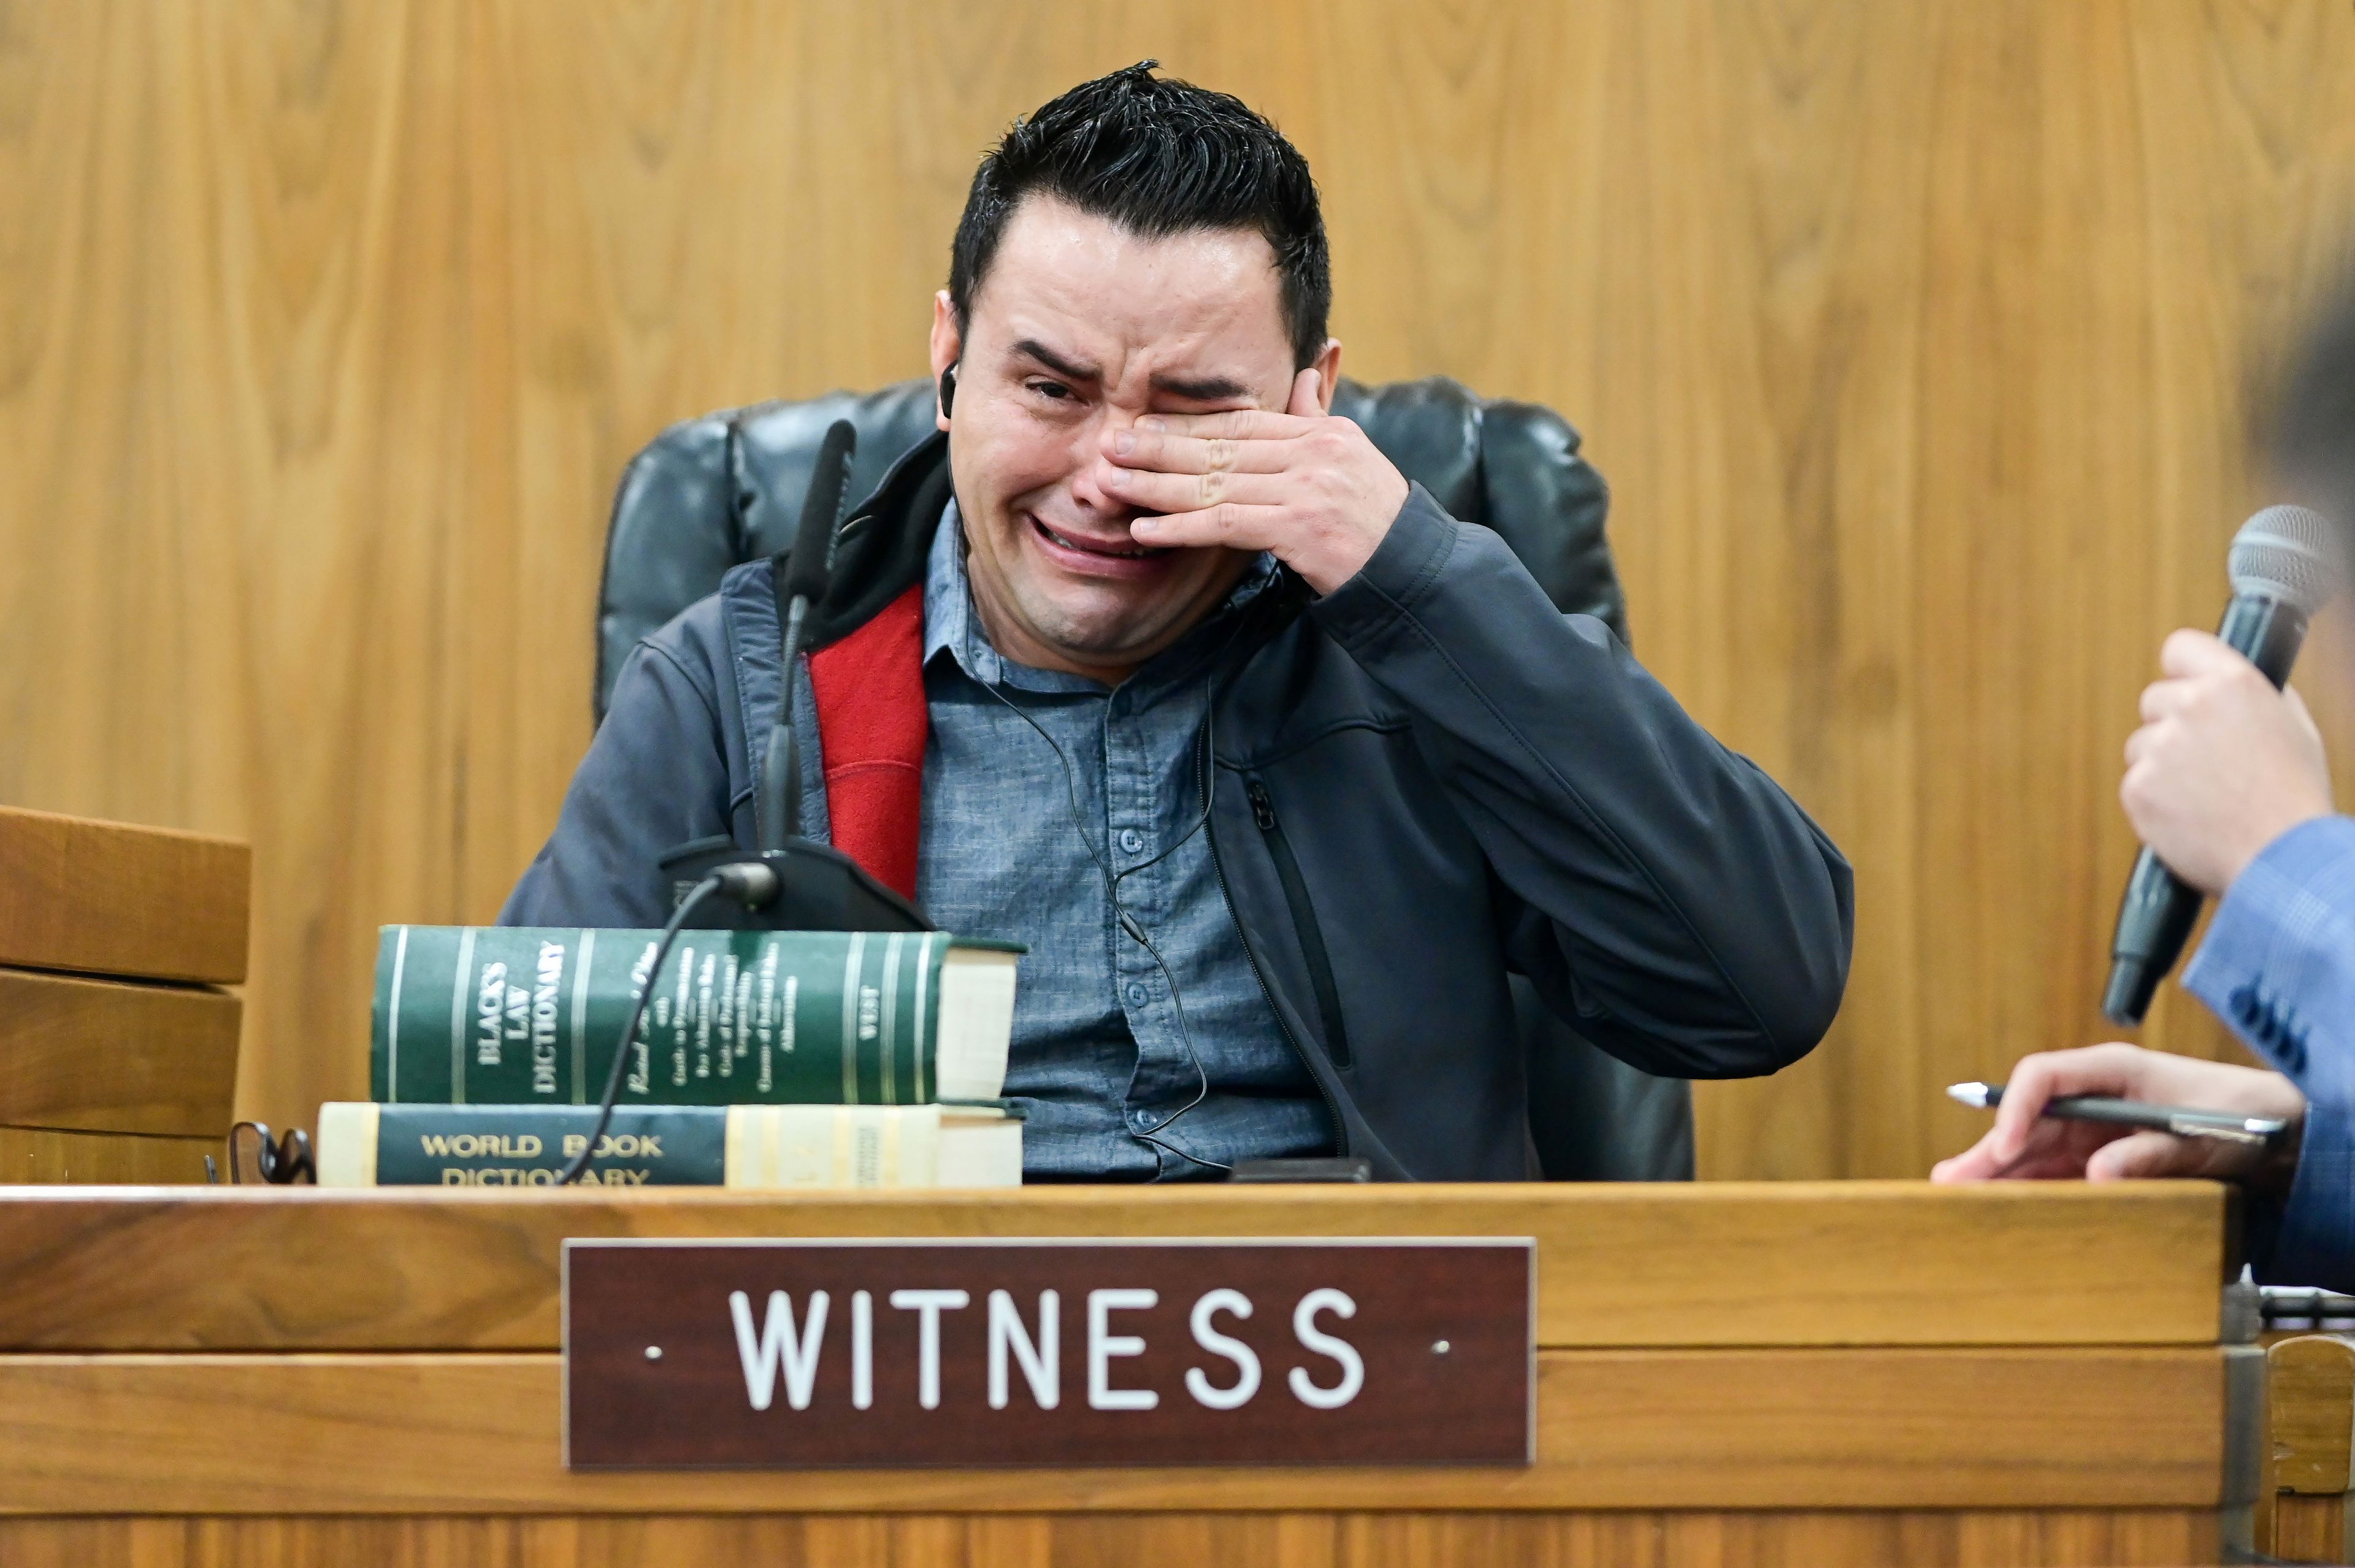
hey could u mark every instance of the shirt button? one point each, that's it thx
(1131, 840)
(1136, 994)
(1145, 1118)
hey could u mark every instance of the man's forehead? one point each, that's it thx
(1205, 303)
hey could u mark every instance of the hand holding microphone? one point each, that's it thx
(2215, 772)
(2224, 764)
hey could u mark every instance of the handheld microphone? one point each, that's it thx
(802, 580)
(2283, 569)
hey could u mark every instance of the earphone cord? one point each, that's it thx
(1134, 928)
(1129, 923)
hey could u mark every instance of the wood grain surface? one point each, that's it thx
(39, 1157)
(1915, 339)
(2310, 1410)
(111, 898)
(2010, 1538)
(2309, 1529)
(1713, 1429)
(1772, 1263)
(89, 1055)
(2310, 1406)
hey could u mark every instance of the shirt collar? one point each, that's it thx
(948, 602)
(951, 624)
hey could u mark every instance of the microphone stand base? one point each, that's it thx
(820, 889)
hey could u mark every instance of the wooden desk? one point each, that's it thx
(1791, 1373)
(118, 1053)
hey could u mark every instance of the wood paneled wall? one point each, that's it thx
(1914, 336)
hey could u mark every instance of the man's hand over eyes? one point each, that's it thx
(1309, 486)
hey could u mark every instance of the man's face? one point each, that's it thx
(1080, 327)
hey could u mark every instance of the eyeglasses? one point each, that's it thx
(281, 1164)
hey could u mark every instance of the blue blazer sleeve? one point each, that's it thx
(2278, 966)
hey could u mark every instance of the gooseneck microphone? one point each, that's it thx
(787, 882)
(2283, 569)
(801, 580)
(808, 885)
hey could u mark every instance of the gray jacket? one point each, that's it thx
(1421, 782)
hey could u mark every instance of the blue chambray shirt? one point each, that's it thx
(1098, 1055)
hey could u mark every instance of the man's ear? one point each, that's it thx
(1328, 365)
(947, 347)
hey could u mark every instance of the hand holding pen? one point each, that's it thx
(2027, 1143)
(2183, 1121)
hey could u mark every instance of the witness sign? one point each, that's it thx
(879, 1354)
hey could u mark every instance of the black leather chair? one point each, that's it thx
(709, 494)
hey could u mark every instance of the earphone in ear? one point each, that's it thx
(948, 391)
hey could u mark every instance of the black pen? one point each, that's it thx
(2223, 1125)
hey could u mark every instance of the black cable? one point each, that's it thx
(703, 890)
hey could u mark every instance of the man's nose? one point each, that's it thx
(1087, 457)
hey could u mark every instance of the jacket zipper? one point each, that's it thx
(1217, 866)
(1303, 920)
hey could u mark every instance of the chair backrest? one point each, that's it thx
(710, 494)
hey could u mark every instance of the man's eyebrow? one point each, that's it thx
(1204, 389)
(1033, 348)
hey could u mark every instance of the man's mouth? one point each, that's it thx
(1126, 549)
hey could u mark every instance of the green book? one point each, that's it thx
(532, 1015)
(670, 1146)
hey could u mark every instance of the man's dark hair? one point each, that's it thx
(1158, 156)
(2314, 412)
